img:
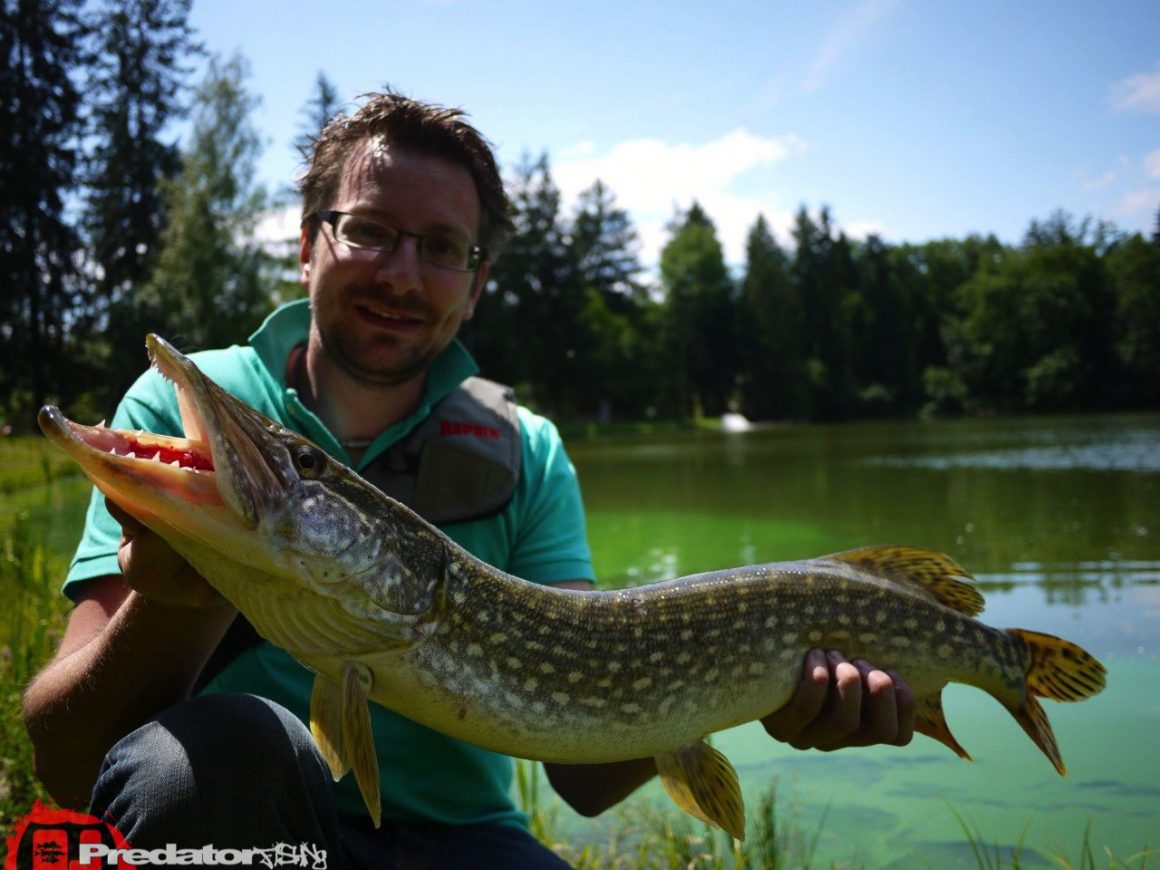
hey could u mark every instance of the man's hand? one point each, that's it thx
(155, 570)
(840, 703)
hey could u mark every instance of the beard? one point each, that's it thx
(382, 359)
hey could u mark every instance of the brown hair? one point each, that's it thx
(426, 128)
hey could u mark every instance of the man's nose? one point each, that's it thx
(400, 263)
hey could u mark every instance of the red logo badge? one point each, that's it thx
(50, 839)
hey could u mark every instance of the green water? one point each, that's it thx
(1059, 520)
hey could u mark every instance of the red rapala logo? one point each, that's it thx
(448, 428)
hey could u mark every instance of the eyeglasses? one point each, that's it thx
(436, 249)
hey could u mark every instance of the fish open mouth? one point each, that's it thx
(216, 463)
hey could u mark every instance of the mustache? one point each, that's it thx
(411, 302)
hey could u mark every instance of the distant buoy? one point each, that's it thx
(734, 422)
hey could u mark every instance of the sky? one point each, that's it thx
(912, 120)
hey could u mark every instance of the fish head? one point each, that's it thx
(246, 500)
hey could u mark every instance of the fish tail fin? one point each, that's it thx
(930, 720)
(1056, 669)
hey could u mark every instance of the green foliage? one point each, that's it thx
(638, 833)
(569, 288)
(769, 332)
(134, 90)
(700, 316)
(42, 43)
(319, 109)
(1134, 278)
(212, 284)
(31, 625)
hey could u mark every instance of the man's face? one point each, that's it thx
(384, 318)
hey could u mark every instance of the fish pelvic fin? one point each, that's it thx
(932, 575)
(1056, 669)
(326, 724)
(704, 784)
(357, 738)
(930, 720)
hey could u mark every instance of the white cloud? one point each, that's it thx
(1100, 183)
(1138, 93)
(1151, 163)
(652, 178)
(1137, 202)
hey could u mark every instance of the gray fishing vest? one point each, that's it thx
(461, 463)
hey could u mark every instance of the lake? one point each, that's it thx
(1059, 521)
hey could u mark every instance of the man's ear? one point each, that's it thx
(305, 251)
(479, 283)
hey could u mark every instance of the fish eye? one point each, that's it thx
(309, 461)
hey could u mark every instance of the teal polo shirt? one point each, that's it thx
(539, 536)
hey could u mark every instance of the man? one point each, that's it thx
(160, 710)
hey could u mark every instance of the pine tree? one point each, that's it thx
(136, 88)
(319, 109)
(212, 284)
(769, 329)
(533, 294)
(701, 316)
(41, 42)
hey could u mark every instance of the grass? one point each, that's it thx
(31, 622)
(31, 461)
(32, 615)
(639, 834)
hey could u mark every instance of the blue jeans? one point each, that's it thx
(241, 772)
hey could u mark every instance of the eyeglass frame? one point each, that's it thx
(475, 253)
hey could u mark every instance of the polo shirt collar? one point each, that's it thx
(289, 326)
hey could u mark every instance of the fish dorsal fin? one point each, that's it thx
(933, 575)
(326, 724)
(703, 783)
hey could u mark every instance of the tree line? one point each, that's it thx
(112, 230)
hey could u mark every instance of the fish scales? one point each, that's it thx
(383, 607)
(552, 672)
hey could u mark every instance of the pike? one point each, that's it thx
(383, 607)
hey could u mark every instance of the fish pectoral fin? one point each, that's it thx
(357, 739)
(930, 720)
(703, 783)
(326, 724)
(933, 575)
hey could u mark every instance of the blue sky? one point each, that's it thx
(914, 120)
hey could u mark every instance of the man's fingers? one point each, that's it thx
(840, 703)
(130, 525)
(904, 703)
(803, 708)
(879, 721)
(842, 714)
